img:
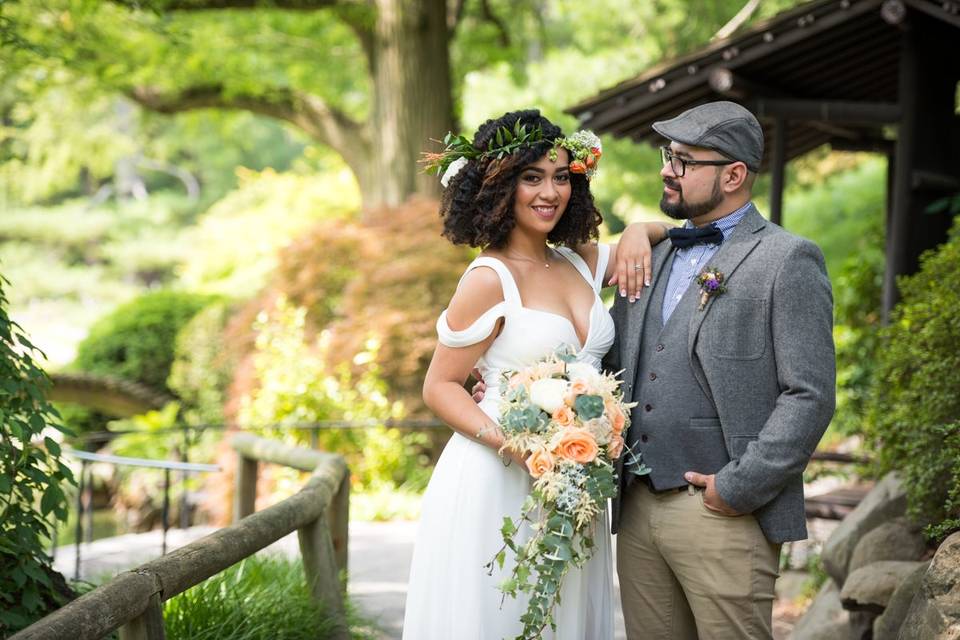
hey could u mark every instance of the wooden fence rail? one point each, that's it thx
(132, 602)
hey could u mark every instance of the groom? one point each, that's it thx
(730, 359)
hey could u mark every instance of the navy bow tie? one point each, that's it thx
(683, 237)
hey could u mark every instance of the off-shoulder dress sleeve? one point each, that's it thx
(482, 327)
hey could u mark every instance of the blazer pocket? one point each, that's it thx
(737, 445)
(736, 328)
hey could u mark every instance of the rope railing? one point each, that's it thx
(319, 512)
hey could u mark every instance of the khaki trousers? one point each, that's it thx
(687, 573)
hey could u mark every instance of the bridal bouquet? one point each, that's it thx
(571, 420)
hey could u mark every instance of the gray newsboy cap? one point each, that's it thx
(723, 126)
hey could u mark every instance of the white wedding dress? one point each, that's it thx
(450, 595)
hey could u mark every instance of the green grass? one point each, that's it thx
(260, 598)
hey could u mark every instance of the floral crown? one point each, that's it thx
(584, 147)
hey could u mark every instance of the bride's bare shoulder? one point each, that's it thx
(479, 290)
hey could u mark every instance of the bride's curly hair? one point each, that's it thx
(477, 205)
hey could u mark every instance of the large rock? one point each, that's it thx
(898, 539)
(826, 618)
(885, 502)
(869, 588)
(935, 611)
(887, 626)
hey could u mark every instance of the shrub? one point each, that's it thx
(203, 366)
(32, 480)
(914, 407)
(297, 385)
(136, 341)
(388, 277)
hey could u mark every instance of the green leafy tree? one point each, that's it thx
(372, 79)
(32, 482)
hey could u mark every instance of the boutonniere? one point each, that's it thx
(711, 285)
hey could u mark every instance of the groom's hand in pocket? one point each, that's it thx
(711, 499)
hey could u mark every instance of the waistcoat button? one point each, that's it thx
(648, 407)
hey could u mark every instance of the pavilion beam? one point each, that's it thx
(837, 111)
(778, 165)
(736, 87)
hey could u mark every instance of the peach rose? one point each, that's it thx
(564, 416)
(540, 462)
(579, 388)
(577, 445)
(615, 448)
(617, 420)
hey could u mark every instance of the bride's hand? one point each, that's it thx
(632, 270)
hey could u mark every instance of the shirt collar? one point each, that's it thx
(727, 223)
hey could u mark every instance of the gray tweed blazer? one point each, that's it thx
(763, 352)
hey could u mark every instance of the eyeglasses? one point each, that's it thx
(679, 165)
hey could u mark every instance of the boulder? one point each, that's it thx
(869, 588)
(826, 618)
(887, 626)
(885, 502)
(934, 613)
(898, 539)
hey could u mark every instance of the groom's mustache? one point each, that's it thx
(670, 183)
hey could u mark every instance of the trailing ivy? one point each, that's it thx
(32, 482)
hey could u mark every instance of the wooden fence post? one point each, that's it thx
(338, 517)
(320, 568)
(148, 625)
(245, 488)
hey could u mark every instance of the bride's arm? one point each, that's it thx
(629, 265)
(443, 390)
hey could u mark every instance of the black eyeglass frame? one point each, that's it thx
(667, 155)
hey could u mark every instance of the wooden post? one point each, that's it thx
(338, 515)
(778, 163)
(898, 229)
(148, 625)
(245, 488)
(320, 568)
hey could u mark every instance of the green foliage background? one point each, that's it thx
(914, 407)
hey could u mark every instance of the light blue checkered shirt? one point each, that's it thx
(689, 262)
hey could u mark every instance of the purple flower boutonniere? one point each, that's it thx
(711, 285)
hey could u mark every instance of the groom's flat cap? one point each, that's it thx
(725, 127)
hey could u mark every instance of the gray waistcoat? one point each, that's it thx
(674, 425)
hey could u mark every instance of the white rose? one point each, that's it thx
(452, 171)
(583, 371)
(548, 393)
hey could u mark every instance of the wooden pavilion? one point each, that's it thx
(863, 75)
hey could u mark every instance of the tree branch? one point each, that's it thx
(737, 21)
(490, 16)
(308, 112)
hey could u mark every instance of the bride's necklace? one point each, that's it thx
(528, 259)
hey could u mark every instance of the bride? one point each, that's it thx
(534, 287)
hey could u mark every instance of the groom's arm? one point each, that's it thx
(802, 328)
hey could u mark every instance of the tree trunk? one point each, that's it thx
(412, 98)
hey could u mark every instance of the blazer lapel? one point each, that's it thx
(731, 253)
(637, 312)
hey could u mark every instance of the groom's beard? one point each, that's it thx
(683, 210)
